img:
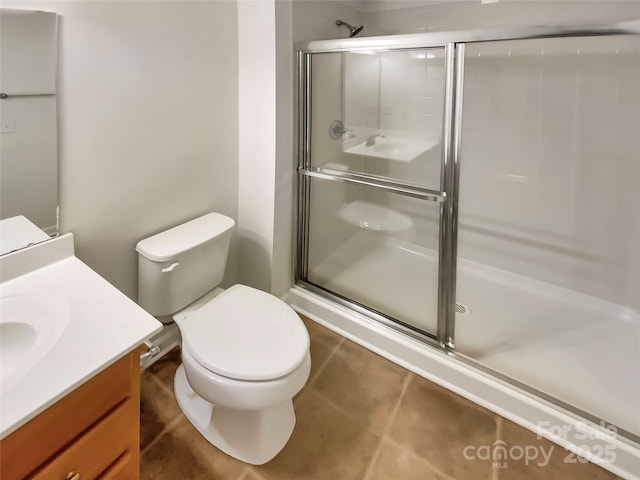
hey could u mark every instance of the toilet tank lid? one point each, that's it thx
(165, 246)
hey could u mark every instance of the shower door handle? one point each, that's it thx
(391, 186)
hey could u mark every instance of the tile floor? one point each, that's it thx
(359, 417)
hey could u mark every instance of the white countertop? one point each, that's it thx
(104, 325)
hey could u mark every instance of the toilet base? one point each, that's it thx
(252, 436)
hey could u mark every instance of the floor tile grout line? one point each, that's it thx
(404, 447)
(396, 407)
(325, 363)
(244, 473)
(168, 427)
(253, 472)
(425, 460)
(312, 380)
(330, 402)
(249, 470)
(159, 382)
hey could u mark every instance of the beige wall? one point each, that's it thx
(148, 122)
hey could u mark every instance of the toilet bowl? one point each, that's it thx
(245, 352)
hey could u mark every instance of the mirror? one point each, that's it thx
(28, 128)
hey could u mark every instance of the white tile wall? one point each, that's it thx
(550, 179)
(361, 96)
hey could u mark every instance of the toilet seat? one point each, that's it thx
(241, 394)
(245, 334)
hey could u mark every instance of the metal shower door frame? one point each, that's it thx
(445, 196)
(454, 45)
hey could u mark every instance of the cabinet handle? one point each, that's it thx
(73, 476)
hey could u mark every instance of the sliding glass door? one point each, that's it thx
(549, 229)
(487, 188)
(371, 180)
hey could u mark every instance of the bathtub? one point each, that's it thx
(553, 360)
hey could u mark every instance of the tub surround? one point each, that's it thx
(103, 326)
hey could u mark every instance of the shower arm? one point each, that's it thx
(353, 31)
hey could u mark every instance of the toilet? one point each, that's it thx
(245, 353)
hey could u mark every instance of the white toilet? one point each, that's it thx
(245, 353)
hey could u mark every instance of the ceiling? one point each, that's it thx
(383, 5)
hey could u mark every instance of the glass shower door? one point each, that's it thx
(371, 180)
(548, 227)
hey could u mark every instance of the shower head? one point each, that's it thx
(354, 30)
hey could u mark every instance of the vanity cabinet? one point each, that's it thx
(91, 433)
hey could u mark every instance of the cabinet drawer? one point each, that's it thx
(124, 469)
(37, 441)
(94, 451)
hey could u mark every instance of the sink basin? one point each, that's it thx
(30, 325)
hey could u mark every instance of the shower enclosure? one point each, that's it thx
(479, 192)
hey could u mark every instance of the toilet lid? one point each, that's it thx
(246, 334)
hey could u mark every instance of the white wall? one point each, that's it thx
(148, 122)
(149, 110)
(267, 31)
(266, 141)
(257, 141)
(282, 265)
(316, 19)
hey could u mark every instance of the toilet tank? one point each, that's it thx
(179, 265)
